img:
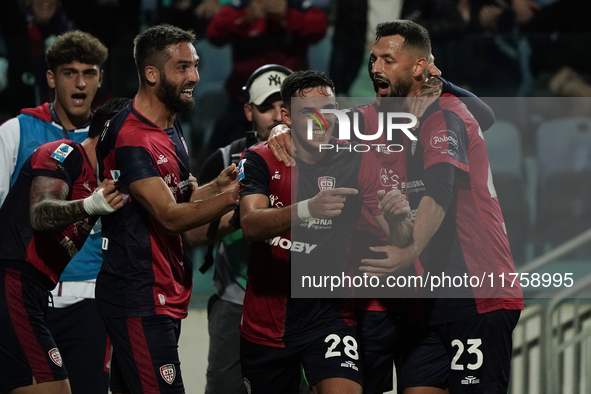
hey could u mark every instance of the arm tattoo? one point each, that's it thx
(49, 209)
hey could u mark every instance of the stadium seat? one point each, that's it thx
(564, 192)
(503, 146)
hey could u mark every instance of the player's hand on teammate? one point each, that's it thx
(193, 185)
(397, 260)
(280, 145)
(329, 203)
(105, 199)
(227, 181)
(425, 96)
(393, 205)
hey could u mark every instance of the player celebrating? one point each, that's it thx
(280, 332)
(144, 286)
(46, 218)
(458, 229)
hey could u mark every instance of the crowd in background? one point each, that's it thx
(494, 48)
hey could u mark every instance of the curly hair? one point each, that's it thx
(150, 46)
(76, 46)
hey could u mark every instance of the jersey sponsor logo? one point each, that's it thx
(62, 152)
(388, 178)
(87, 186)
(55, 357)
(326, 182)
(350, 364)
(415, 186)
(168, 373)
(295, 246)
(274, 200)
(318, 224)
(444, 136)
(241, 170)
(162, 159)
(470, 380)
(247, 386)
(277, 175)
(69, 246)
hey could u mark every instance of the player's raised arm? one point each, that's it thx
(51, 211)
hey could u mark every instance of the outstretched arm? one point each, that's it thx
(155, 197)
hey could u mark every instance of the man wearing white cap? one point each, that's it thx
(263, 109)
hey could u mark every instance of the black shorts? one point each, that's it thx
(27, 348)
(269, 369)
(472, 355)
(145, 354)
(80, 334)
(379, 341)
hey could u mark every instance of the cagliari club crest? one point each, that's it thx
(56, 357)
(326, 182)
(168, 373)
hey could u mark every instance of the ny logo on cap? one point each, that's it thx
(275, 78)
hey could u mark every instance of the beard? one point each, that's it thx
(170, 95)
(401, 87)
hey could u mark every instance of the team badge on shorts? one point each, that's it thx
(326, 182)
(56, 357)
(168, 373)
(247, 386)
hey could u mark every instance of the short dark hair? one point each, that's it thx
(105, 113)
(76, 46)
(150, 46)
(415, 36)
(302, 80)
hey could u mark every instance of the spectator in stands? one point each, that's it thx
(36, 28)
(261, 32)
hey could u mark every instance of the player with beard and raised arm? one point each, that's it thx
(47, 215)
(458, 229)
(144, 286)
(280, 332)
